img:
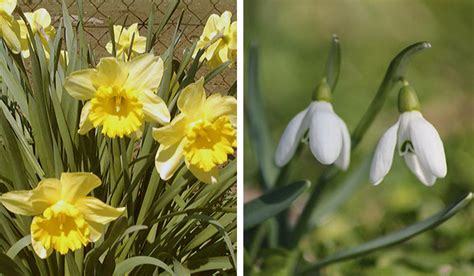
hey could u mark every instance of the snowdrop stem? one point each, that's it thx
(394, 74)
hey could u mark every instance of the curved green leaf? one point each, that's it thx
(129, 264)
(18, 246)
(272, 203)
(394, 238)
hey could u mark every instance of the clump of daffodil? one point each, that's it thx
(202, 135)
(120, 95)
(65, 218)
(219, 39)
(9, 27)
(124, 37)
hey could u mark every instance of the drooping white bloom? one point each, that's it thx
(419, 144)
(329, 138)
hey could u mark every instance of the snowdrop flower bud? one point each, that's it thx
(329, 138)
(416, 140)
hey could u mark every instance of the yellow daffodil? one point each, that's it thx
(9, 28)
(65, 218)
(120, 95)
(40, 23)
(123, 40)
(219, 39)
(203, 134)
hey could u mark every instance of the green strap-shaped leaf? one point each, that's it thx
(272, 203)
(393, 238)
(129, 264)
(8, 266)
(18, 246)
(257, 124)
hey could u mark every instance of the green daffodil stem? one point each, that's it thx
(394, 74)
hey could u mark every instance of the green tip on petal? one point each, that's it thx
(322, 92)
(407, 99)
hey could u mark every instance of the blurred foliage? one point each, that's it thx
(293, 39)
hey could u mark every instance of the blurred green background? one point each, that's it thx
(293, 39)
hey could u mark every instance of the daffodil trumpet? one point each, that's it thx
(415, 139)
(328, 135)
(202, 135)
(120, 96)
(65, 218)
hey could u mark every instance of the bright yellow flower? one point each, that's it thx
(219, 39)
(123, 40)
(202, 135)
(40, 23)
(9, 28)
(65, 218)
(120, 95)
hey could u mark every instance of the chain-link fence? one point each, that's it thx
(127, 12)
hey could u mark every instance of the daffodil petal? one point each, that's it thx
(168, 159)
(79, 84)
(428, 147)
(291, 137)
(192, 98)
(218, 105)
(32, 202)
(39, 249)
(344, 157)
(209, 177)
(77, 185)
(110, 72)
(85, 125)
(172, 133)
(154, 108)
(325, 137)
(97, 211)
(383, 156)
(42, 17)
(9, 28)
(96, 230)
(8, 6)
(145, 72)
(418, 170)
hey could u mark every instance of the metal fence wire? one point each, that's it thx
(128, 12)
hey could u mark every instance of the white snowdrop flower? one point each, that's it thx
(329, 137)
(415, 139)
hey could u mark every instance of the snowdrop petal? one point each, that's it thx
(383, 156)
(418, 170)
(344, 157)
(325, 137)
(428, 147)
(291, 137)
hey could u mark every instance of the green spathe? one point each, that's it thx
(407, 99)
(322, 92)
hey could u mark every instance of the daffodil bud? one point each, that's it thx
(322, 92)
(407, 99)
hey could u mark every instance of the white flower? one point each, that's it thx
(420, 145)
(329, 138)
